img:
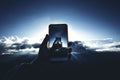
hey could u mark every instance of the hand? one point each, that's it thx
(43, 53)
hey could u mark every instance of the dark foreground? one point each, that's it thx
(61, 71)
(90, 66)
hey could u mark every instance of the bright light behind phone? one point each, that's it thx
(41, 29)
(73, 35)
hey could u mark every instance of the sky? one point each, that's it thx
(86, 19)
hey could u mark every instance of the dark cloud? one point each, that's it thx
(103, 45)
(77, 46)
(3, 48)
(36, 45)
(117, 46)
(14, 44)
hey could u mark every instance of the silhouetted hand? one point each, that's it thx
(43, 53)
(43, 47)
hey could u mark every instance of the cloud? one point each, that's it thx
(77, 46)
(3, 47)
(15, 44)
(117, 46)
(103, 45)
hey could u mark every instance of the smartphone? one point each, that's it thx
(58, 33)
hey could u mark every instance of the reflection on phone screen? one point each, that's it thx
(58, 34)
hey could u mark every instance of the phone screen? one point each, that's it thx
(58, 33)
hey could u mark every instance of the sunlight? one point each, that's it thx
(74, 34)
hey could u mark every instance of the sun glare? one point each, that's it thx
(73, 34)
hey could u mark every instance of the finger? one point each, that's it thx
(46, 39)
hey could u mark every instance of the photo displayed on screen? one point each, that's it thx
(58, 34)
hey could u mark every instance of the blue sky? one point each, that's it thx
(91, 19)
